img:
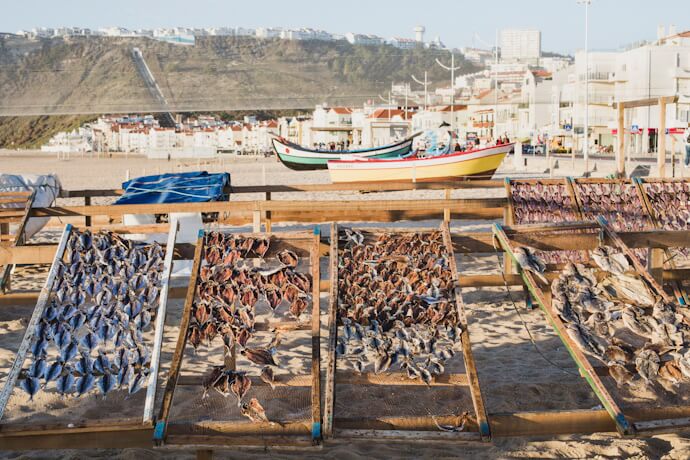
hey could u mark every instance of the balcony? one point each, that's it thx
(482, 124)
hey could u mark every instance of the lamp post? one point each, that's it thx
(426, 84)
(585, 148)
(452, 69)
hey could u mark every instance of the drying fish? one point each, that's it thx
(671, 372)
(297, 307)
(106, 383)
(288, 258)
(240, 386)
(52, 372)
(588, 344)
(620, 373)
(267, 376)
(254, 411)
(453, 428)
(529, 261)
(647, 364)
(260, 356)
(30, 385)
(65, 384)
(136, 381)
(610, 260)
(84, 384)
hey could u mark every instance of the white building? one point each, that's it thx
(364, 39)
(404, 43)
(520, 45)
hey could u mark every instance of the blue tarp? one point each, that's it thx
(191, 187)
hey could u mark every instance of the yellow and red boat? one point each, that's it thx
(471, 164)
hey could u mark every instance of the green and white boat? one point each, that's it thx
(302, 159)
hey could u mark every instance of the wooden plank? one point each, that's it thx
(332, 335)
(647, 102)
(136, 438)
(127, 229)
(407, 422)
(471, 369)
(43, 298)
(176, 362)
(586, 369)
(77, 426)
(508, 219)
(664, 425)
(264, 443)
(160, 323)
(575, 199)
(19, 240)
(315, 261)
(408, 435)
(351, 206)
(620, 142)
(268, 215)
(239, 428)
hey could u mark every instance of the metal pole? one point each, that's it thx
(452, 69)
(585, 148)
(426, 84)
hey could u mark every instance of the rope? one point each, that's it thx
(524, 323)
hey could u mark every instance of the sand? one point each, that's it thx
(515, 374)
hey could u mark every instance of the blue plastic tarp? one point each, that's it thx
(191, 187)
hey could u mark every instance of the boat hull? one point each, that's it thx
(306, 160)
(479, 164)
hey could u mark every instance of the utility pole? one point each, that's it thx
(452, 69)
(585, 148)
(425, 84)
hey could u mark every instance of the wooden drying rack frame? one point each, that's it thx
(104, 429)
(290, 434)
(263, 213)
(624, 425)
(422, 428)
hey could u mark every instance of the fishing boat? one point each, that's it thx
(302, 159)
(472, 164)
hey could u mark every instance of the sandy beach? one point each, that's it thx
(515, 373)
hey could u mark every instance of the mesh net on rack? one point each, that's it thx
(90, 353)
(247, 285)
(539, 202)
(398, 320)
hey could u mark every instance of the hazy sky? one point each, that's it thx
(612, 22)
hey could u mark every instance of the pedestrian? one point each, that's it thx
(686, 135)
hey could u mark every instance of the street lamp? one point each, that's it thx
(424, 83)
(585, 149)
(452, 69)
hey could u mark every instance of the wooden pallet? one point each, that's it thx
(209, 434)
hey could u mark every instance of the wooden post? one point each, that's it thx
(446, 211)
(508, 219)
(470, 368)
(256, 221)
(661, 136)
(87, 219)
(160, 323)
(620, 145)
(43, 298)
(176, 363)
(315, 261)
(268, 214)
(332, 335)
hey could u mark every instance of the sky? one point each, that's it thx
(613, 23)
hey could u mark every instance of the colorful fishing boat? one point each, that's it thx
(299, 158)
(472, 164)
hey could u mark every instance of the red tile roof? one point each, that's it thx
(342, 110)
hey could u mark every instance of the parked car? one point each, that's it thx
(527, 149)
